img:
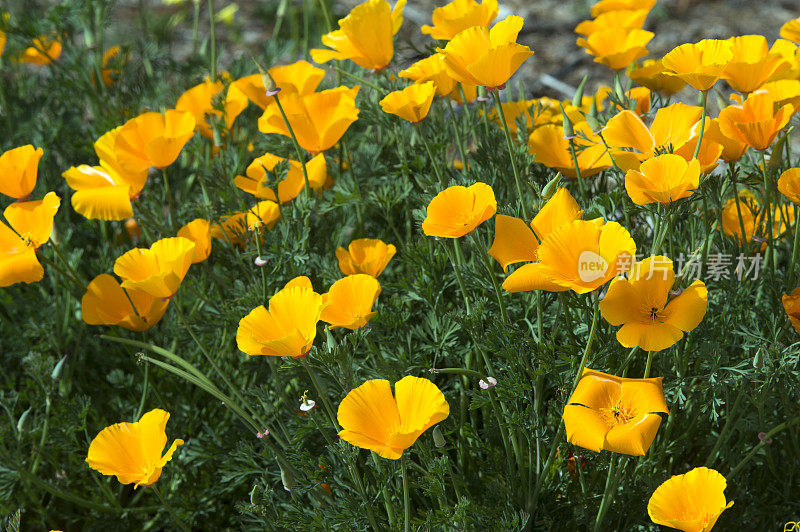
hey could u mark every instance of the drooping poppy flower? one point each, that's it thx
(616, 47)
(159, 270)
(259, 179)
(632, 19)
(605, 6)
(453, 18)
(31, 224)
(486, 57)
(371, 418)
(551, 149)
(199, 102)
(288, 326)
(651, 74)
(639, 303)
(18, 169)
(318, 119)
(349, 301)
(691, 502)
(663, 179)
(300, 77)
(365, 255)
(699, 64)
(364, 36)
(791, 304)
(757, 121)
(412, 103)
(753, 219)
(791, 30)
(106, 303)
(132, 451)
(199, 232)
(610, 413)
(457, 211)
(752, 64)
(42, 52)
(789, 185)
(153, 139)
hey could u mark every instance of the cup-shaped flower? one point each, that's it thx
(153, 139)
(261, 180)
(691, 502)
(31, 224)
(640, 304)
(486, 57)
(18, 169)
(412, 103)
(132, 451)
(159, 270)
(791, 30)
(732, 147)
(371, 418)
(551, 149)
(364, 36)
(457, 211)
(106, 303)
(651, 74)
(757, 121)
(663, 179)
(42, 51)
(789, 185)
(791, 304)
(699, 64)
(614, 414)
(605, 6)
(300, 77)
(453, 18)
(616, 47)
(752, 64)
(752, 218)
(200, 101)
(630, 19)
(430, 68)
(365, 255)
(318, 119)
(288, 326)
(349, 301)
(199, 232)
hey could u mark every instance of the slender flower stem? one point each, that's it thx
(459, 141)
(145, 385)
(60, 270)
(649, 364)
(195, 26)
(75, 274)
(457, 262)
(167, 193)
(43, 437)
(298, 150)
(770, 252)
(323, 4)
(492, 276)
(761, 444)
(213, 58)
(169, 509)
(263, 273)
(510, 146)
(322, 392)
(358, 79)
(581, 184)
(588, 347)
(611, 485)
(703, 101)
(406, 501)
(795, 245)
(434, 163)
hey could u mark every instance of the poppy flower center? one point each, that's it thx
(619, 414)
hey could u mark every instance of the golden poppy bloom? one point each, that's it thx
(364, 36)
(623, 18)
(783, 91)
(732, 148)
(457, 210)
(791, 30)
(259, 177)
(651, 74)
(288, 327)
(349, 301)
(159, 270)
(791, 304)
(639, 303)
(610, 413)
(199, 232)
(616, 47)
(663, 179)
(300, 77)
(371, 418)
(756, 122)
(789, 185)
(365, 255)
(486, 57)
(606, 6)
(43, 52)
(453, 18)
(18, 168)
(110, 73)
(580, 256)
(431, 69)
(318, 119)
(132, 451)
(551, 149)
(691, 502)
(199, 102)
(412, 103)
(153, 139)
(753, 63)
(699, 64)
(751, 211)
(106, 303)
(31, 224)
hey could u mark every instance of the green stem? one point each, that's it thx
(703, 100)
(795, 245)
(761, 444)
(300, 155)
(771, 251)
(434, 164)
(140, 410)
(459, 141)
(588, 347)
(69, 267)
(322, 392)
(263, 273)
(326, 14)
(169, 508)
(406, 501)
(611, 485)
(510, 146)
(730, 415)
(457, 262)
(169, 197)
(649, 364)
(581, 184)
(195, 26)
(358, 79)
(492, 276)
(43, 438)
(213, 58)
(60, 270)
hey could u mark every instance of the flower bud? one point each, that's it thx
(259, 261)
(287, 478)
(59, 369)
(592, 118)
(551, 187)
(269, 83)
(254, 498)
(488, 382)
(577, 99)
(438, 437)
(569, 132)
(23, 424)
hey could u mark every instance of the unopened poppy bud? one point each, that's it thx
(592, 118)
(551, 187)
(330, 340)
(488, 382)
(619, 94)
(577, 99)
(254, 498)
(133, 229)
(259, 261)
(438, 437)
(776, 156)
(59, 369)
(23, 424)
(269, 83)
(287, 478)
(569, 132)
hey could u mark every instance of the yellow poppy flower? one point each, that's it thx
(756, 122)
(632, 19)
(616, 47)
(610, 413)
(663, 179)
(2, 42)
(486, 57)
(782, 91)
(158, 270)
(789, 185)
(752, 64)
(457, 211)
(110, 73)
(751, 212)
(258, 179)
(430, 69)
(43, 52)
(132, 451)
(365, 255)
(791, 304)
(18, 169)
(514, 111)
(318, 119)
(791, 30)
(199, 102)
(551, 149)
(691, 502)
(732, 148)
(412, 103)
(288, 327)
(349, 301)
(605, 6)
(153, 139)
(199, 232)
(106, 303)
(31, 224)
(651, 74)
(639, 303)
(453, 18)
(364, 36)
(699, 64)
(300, 77)
(371, 418)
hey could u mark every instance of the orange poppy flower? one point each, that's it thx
(616, 47)
(791, 30)
(605, 6)
(453, 18)
(663, 179)
(43, 52)
(751, 212)
(106, 303)
(153, 139)
(412, 103)
(111, 57)
(349, 301)
(691, 502)
(364, 36)
(732, 148)
(610, 413)
(457, 211)
(756, 122)
(784, 91)
(18, 169)
(260, 178)
(551, 149)
(200, 99)
(624, 18)
(789, 185)
(791, 304)
(159, 270)
(753, 63)
(699, 64)
(431, 69)
(652, 74)
(31, 224)
(371, 418)
(199, 232)
(300, 77)
(365, 255)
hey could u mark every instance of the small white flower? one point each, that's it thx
(261, 435)
(260, 262)
(306, 404)
(487, 383)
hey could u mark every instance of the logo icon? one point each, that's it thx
(791, 526)
(591, 266)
